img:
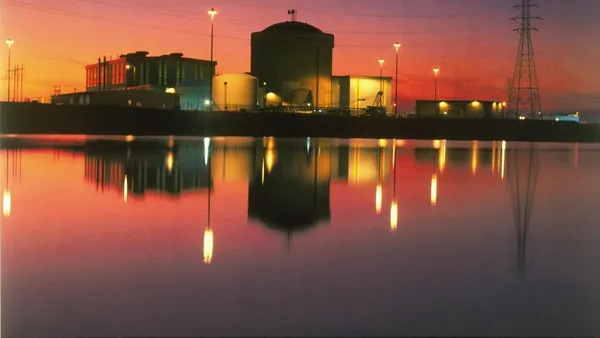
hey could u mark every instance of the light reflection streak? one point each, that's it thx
(208, 246)
(378, 198)
(434, 188)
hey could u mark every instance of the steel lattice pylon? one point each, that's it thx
(524, 90)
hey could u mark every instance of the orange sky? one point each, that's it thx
(470, 40)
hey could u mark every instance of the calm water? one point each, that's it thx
(238, 237)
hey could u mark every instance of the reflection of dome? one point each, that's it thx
(294, 196)
(292, 27)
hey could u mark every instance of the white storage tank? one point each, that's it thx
(235, 92)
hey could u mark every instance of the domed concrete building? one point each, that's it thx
(293, 60)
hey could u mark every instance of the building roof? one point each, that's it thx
(292, 27)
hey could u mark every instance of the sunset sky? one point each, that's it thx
(471, 41)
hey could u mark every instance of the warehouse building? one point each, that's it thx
(460, 109)
(358, 92)
(120, 98)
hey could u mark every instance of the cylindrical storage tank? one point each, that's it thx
(294, 57)
(235, 92)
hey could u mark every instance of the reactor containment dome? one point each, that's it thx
(294, 61)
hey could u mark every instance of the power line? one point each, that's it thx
(191, 16)
(362, 14)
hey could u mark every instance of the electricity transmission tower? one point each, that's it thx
(524, 91)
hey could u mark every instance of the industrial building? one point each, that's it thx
(120, 98)
(460, 109)
(294, 61)
(359, 92)
(139, 69)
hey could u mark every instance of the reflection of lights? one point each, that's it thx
(443, 156)
(437, 144)
(394, 157)
(308, 145)
(171, 141)
(270, 160)
(400, 143)
(129, 138)
(208, 246)
(378, 198)
(206, 146)
(434, 184)
(394, 216)
(576, 155)
(502, 166)
(494, 154)
(6, 203)
(383, 143)
(263, 173)
(270, 143)
(125, 188)
(475, 157)
(170, 161)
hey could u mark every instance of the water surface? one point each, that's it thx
(268, 237)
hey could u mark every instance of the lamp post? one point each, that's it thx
(435, 72)
(129, 67)
(381, 61)
(9, 43)
(225, 99)
(212, 12)
(397, 46)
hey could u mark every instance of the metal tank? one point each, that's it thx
(235, 92)
(294, 60)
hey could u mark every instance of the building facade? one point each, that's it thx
(120, 98)
(139, 69)
(460, 109)
(358, 92)
(294, 61)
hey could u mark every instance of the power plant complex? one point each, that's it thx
(291, 71)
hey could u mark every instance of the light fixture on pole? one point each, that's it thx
(381, 61)
(9, 43)
(225, 94)
(212, 12)
(397, 46)
(435, 72)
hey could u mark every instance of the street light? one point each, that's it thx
(435, 72)
(129, 67)
(381, 61)
(225, 85)
(212, 12)
(9, 43)
(397, 46)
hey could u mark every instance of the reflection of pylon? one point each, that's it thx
(523, 168)
(524, 91)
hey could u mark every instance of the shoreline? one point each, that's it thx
(38, 119)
